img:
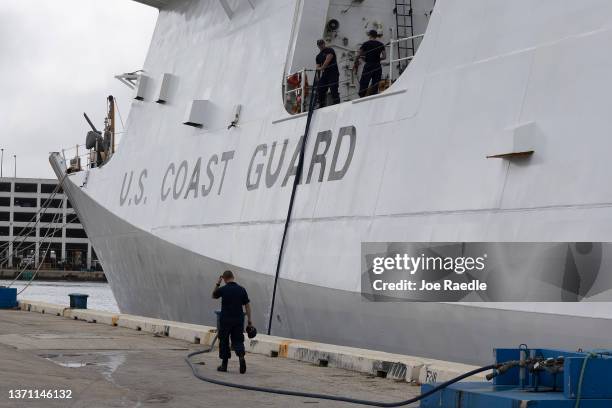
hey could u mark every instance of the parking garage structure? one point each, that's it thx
(28, 236)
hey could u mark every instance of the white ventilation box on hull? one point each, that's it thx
(197, 112)
(141, 88)
(165, 88)
(520, 142)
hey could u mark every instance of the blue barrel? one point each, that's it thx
(8, 297)
(78, 300)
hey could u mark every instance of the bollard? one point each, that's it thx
(78, 300)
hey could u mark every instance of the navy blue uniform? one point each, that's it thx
(372, 71)
(329, 79)
(231, 325)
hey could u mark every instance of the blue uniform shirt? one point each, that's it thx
(233, 298)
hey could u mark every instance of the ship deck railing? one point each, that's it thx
(295, 94)
(392, 60)
(89, 157)
(299, 91)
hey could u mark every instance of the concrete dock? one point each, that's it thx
(119, 367)
(116, 360)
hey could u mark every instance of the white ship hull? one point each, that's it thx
(153, 277)
(177, 205)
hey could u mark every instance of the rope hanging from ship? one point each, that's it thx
(296, 182)
(38, 268)
(50, 233)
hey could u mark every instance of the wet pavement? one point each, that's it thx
(105, 366)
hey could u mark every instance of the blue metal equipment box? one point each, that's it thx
(8, 297)
(535, 378)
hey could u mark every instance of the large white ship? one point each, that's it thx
(186, 195)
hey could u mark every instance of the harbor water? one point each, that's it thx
(100, 294)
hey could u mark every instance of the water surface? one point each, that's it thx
(100, 295)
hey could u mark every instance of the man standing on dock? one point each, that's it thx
(231, 323)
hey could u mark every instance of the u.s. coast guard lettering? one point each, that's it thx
(270, 164)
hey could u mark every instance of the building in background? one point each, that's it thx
(29, 236)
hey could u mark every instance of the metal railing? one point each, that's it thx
(83, 156)
(392, 60)
(300, 90)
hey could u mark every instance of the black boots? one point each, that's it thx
(242, 364)
(223, 366)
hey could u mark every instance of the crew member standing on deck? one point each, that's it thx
(231, 325)
(372, 51)
(327, 65)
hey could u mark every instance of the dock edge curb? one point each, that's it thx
(396, 367)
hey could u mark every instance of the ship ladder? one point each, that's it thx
(404, 29)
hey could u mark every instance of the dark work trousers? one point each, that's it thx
(231, 329)
(373, 74)
(328, 82)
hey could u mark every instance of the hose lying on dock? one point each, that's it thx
(327, 396)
